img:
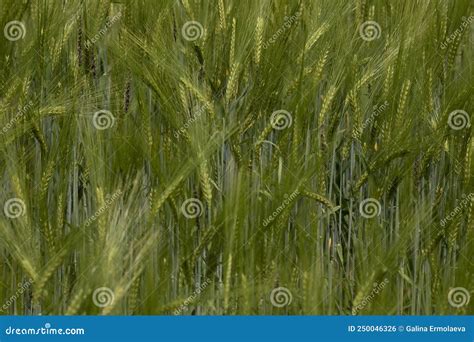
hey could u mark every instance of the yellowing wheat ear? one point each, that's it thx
(205, 182)
(258, 40)
(222, 15)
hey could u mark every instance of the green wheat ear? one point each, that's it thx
(172, 102)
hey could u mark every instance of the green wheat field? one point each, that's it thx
(234, 157)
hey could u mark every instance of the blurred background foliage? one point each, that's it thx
(192, 119)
